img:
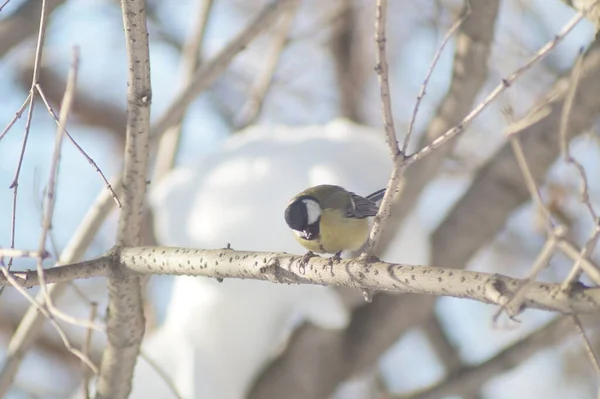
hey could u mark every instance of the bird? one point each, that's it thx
(330, 219)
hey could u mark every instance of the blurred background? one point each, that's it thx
(315, 65)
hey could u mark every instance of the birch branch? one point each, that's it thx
(125, 323)
(285, 268)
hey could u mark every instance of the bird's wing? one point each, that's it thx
(361, 207)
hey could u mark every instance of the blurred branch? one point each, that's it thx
(349, 67)
(23, 23)
(210, 71)
(190, 57)
(125, 323)
(86, 109)
(446, 352)
(284, 268)
(251, 109)
(472, 378)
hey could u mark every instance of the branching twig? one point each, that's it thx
(79, 148)
(51, 186)
(18, 115)
(506, 82)
(398, 157)
(436, 57)
(36, 65)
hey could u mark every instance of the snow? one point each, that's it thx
(217, 336)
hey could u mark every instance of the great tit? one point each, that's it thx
(330, 219)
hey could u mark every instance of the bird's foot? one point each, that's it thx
(304, 261)
(336, 258)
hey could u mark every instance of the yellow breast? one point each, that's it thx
(338, 234)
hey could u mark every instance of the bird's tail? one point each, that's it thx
(376, 196)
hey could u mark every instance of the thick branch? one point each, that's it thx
(470, 378)
(125, 317)
(23, 23)
(288, 269)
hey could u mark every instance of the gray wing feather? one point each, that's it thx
(361, 207)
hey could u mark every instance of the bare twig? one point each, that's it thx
(564, 146)
(506, 82)
(79, 148)
(86, 350)
(21, 253)
(162, 374)
(469, 73)
(564, 142)
(36, 65)
(588, 346)
(18, 115)
(51, 186)
(32, 322)
(436, 57)
(398, 157)
(9, 279)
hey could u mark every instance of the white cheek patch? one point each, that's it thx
(313, 210)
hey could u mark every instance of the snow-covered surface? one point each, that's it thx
(217, 336)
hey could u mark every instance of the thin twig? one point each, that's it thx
(504, 84)
(162, 374)
(36, 65)
(588, 346)
(564, 142)
(21, 253)
(398, 157)
(31, 324)
(87, 343)
(513, 306)
(436, 57)
(4, 4)
(79, 148)
(65, 109)
(17, 116)
(14, 283)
